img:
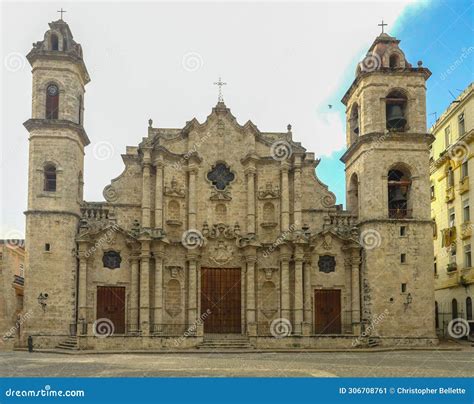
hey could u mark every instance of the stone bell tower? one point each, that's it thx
(387, 182)
(55, 181)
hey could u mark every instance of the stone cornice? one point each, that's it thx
(32, 124)
(380, 138)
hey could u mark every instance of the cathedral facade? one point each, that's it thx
(217, 231)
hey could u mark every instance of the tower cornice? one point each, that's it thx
(32, 124)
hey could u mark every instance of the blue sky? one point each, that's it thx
(438, 33)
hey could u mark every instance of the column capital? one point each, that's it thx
(250, 171)
(284, 166)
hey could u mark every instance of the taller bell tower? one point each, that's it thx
(387, 182)
(55, 181)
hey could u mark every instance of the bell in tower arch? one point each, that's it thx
(395, 117)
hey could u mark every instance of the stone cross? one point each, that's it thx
(61, 11)
(220, 83)
(382, 25)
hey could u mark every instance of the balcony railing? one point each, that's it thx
(400, 213)
(18, 280)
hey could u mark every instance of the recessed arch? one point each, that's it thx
(399, 180)
(396, 109)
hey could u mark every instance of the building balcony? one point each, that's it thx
(452, 267)
(450, 194)
(400, 213)
(466, 230)
(464, 185)
(449, 236)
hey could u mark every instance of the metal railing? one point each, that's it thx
(400, 213)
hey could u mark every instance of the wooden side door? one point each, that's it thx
(327, 311)
(111, 305)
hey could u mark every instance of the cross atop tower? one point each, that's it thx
(220, 83)
(61, 11)
(382, 25)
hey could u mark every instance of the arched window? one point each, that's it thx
(79, 112)
(353, 194)
(436, 315)
(49, 183)
(395, 111)
(354, 122)
(173, 210)
(54, 42)
(268, 212)
(52, 101)
(399, 183)
(454, 308)
(468, 308)
(394, 61)
(450, 177)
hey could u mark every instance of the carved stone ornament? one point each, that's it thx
(175, 271)
(269, 192)
(327, 264)
(222, 253)
(269, 272)
(174, 189)
(217, 195)
(327, 242)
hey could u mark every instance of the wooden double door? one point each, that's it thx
(327, 311)
(221, 300)
(111, 305)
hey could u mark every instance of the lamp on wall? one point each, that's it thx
(408, 300)
(42, 298)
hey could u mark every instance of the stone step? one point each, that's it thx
(69, 343)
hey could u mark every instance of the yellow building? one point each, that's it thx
(452, 195)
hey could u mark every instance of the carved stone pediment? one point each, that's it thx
(217, 195)
(174, 189)
(269, 192)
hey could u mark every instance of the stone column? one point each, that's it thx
(158, 292)
(285, 282)
(82, 294)
(250, 172)
(285, 197)
(135, 277)
(159, 195)
(192, 289)
(298, 329)
(251, 303)
(308, 318)
(355, 291)
(192, 172)
(297, 192)
(145, 289)
(146, 189)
